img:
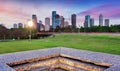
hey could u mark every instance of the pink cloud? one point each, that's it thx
(12, 10)
(108, 11)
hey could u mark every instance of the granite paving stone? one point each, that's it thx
(95, 57)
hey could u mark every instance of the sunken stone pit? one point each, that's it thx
(59, 59)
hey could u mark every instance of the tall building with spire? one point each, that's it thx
(73, 20)
(101, 20)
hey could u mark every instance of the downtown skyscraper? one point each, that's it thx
(47, 24)
(53, 19)
(66, 24)
(101, 20)
(20, 25)
(62, 21)
(14, 26)
(107, 22)
(87, 21)
(57, 21)
(34, 20)
(41, 26)
(91, 22)
(73, 20)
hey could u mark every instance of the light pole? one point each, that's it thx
(30, 24)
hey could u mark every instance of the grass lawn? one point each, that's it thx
(93, 42)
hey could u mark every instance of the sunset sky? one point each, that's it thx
(15, 11)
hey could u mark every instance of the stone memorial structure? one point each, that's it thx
(59, 59)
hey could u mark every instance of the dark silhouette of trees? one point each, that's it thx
(58, 29)
(22, 33)
(18, 33)
(4, 32)
(112, 28)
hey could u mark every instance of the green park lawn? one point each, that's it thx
(93, 42)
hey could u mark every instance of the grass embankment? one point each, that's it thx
(92, 42)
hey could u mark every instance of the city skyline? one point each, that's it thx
(19, 11)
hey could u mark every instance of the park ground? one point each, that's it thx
(107, 43)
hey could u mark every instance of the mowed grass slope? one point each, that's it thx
(93, 42)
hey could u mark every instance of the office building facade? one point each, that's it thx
(20, 25)
(107, 22)
(35, 24)
(91, 22)
(87, 21)
(66, 24)
(47, 24)
(53, 19)
(101, 20)
(73, 20)
(14, 26)
(57, 21)
(62, 22)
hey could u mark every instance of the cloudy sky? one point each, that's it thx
(15, 11)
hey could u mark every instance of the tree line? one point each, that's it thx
(111, 29)
(22, 33)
